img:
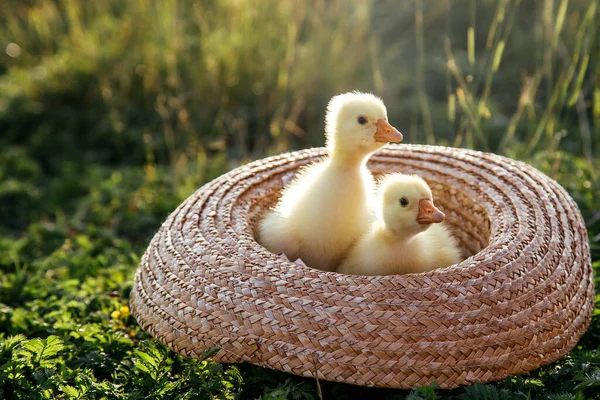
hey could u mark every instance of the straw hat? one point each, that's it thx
(521, 299)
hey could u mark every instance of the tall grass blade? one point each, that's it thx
(560, 19)
(498, 56)
(579, 81)
(596, 101)
(471, 44)
(451, 107)
(421, 92)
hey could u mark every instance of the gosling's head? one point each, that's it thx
(407, 205)
(356, 123)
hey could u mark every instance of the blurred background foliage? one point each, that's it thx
(113, 112)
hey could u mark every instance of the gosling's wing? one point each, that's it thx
(276, 235)
(443, 245)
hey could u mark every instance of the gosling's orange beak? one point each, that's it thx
(386, 133)
(428, 213)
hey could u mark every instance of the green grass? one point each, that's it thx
(112, 113)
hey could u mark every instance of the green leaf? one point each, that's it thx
(34, 346)
(10, 344)
(70, 391)
(424, 392)
(41, 376)
(480, 391)
(589, 380)
(209, 353)
(44, 350)
(567, 396)
(146, 362)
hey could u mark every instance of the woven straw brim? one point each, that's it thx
(521, 299)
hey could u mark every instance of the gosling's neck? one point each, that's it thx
(398, 232)
(348, 158)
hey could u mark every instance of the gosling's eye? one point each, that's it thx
(362, 120)
(404, 202)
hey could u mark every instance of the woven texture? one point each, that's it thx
(521, 299)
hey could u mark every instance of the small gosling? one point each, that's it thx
(406, 236)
